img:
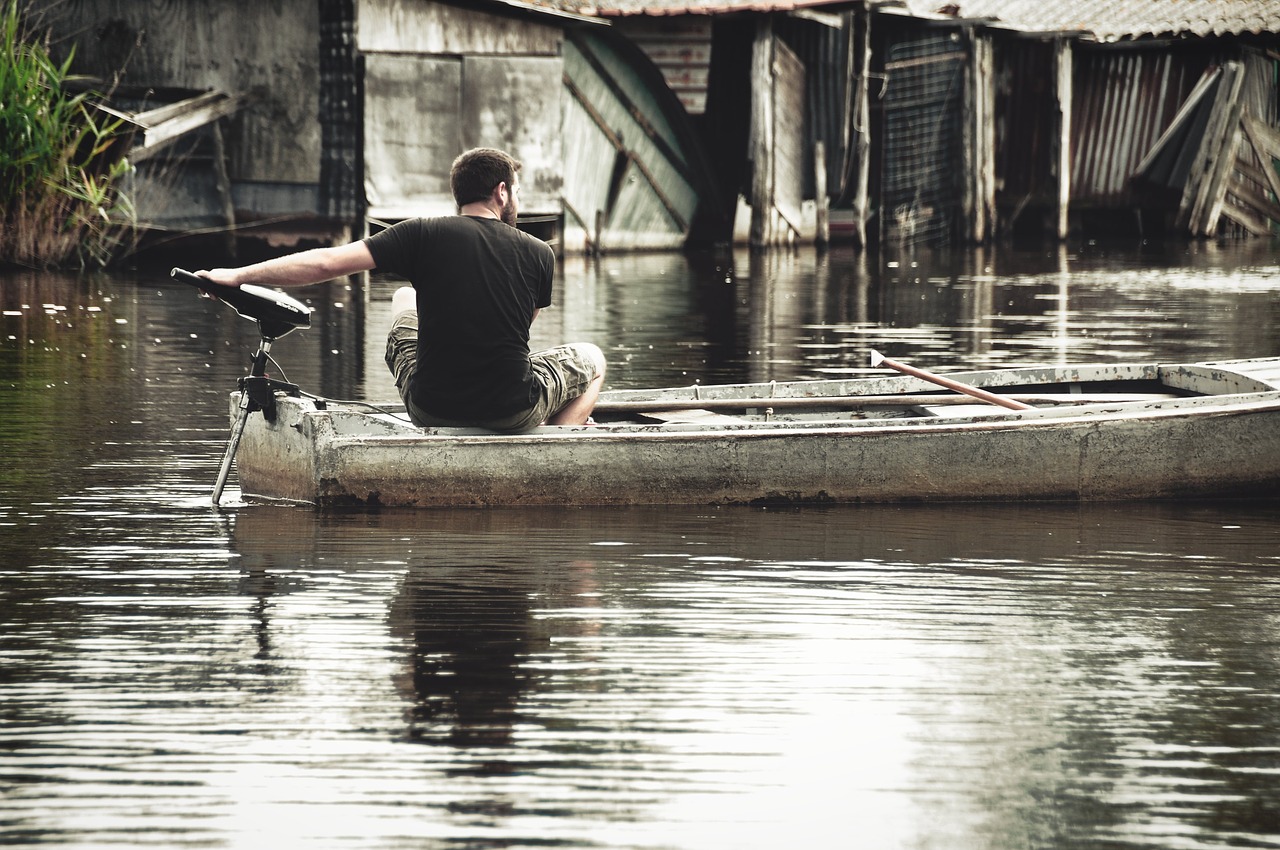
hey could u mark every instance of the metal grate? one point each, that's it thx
(923, 150)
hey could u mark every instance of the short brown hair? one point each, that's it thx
(476, 173)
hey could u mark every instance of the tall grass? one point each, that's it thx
(59, 178)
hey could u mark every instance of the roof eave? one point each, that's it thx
(729, 7)
(548, 12)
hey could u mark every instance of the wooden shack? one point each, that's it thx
(997, 119)
(271, 125)
(960, 123)
(255, 158)
(655, 124)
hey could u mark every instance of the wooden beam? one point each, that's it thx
(862, 135)
(762, 146)
(1246, 218)
(823, 230)
(1264, 138)
(1258, 206)
(1062, 60)
(980, 190)
(1266, 144)
(156, 128)
(1220, 179)
(1207, 180)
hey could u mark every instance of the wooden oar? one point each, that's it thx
(844, 402)
(878, 359)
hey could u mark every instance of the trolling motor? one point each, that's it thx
(276, 314)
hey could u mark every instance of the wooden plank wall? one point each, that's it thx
(1234, 175)
(680, 47)
(263, 53)
(777, 140)
(788, 136)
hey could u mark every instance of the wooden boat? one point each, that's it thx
(1087, 433)
(1083, 433)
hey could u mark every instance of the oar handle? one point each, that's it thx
(878, 359)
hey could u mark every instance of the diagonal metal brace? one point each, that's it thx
(262, 391)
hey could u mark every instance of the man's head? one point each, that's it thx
(478, 172)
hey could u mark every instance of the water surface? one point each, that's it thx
(962, 676)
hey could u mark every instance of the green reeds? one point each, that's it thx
(59, 178)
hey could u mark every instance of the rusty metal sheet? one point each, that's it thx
(413, 131)
(514, 103)
(413, 26)
(1122, 102)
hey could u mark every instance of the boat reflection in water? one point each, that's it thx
(748, 677)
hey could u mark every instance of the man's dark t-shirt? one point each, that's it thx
(478, 282)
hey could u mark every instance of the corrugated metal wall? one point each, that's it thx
(681, 46)
(1122, 101)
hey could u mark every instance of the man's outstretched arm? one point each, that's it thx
(301, 269)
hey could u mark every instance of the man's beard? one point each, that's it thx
(509, 212)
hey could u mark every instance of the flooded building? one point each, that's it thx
(1140, 116)
(654, 124)
(919, 121)
(297, 121)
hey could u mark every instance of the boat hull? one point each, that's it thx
(1175, 448)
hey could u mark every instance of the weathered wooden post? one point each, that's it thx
(222, 185)
(762, 148)
(822, 233)
(978, 201)
(862, 135)
(1062, 60)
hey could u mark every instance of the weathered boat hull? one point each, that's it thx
(1227, 445)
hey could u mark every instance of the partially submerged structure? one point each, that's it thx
(1154, 115)
(650, 124)
(302, 121)
(948, 123)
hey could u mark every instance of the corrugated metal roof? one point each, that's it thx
(563, 10)
(1113, 20)
(1104, 20)
(618, 8)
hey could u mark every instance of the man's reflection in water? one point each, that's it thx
(472, 633)
(469, 638)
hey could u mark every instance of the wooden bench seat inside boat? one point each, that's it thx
(693, 417)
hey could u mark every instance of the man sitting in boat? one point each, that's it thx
(478, 284)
